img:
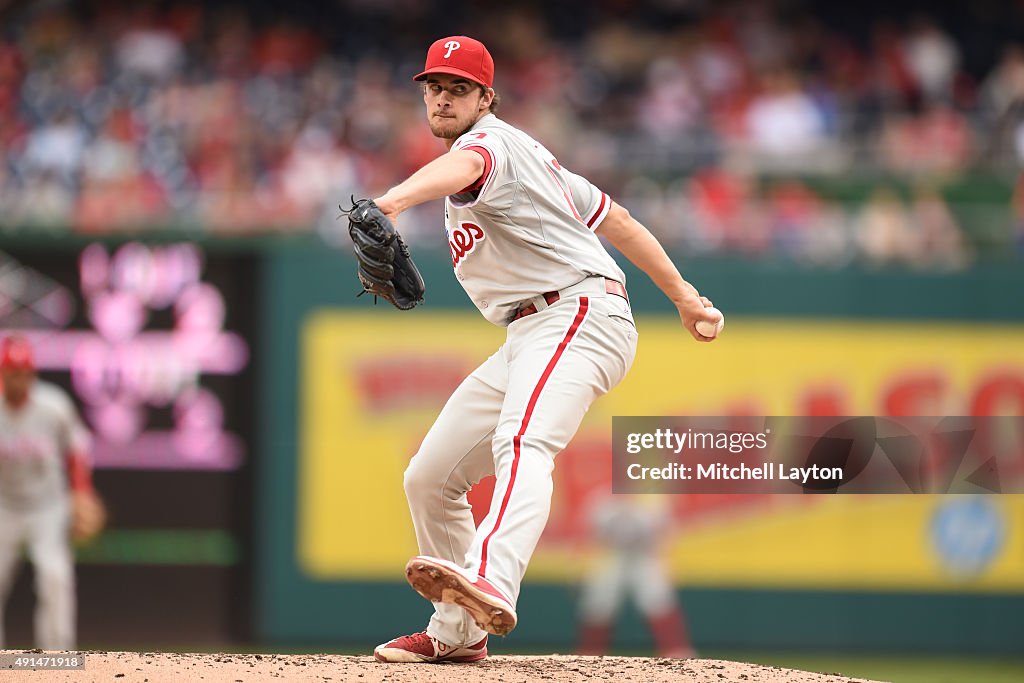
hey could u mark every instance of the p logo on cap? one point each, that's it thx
(459, 56)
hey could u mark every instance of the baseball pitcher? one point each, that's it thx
(523, 234)
(43, 450)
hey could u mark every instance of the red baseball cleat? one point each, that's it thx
(442, 581)
(424, 648)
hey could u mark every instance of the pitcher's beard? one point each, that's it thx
(446, 132)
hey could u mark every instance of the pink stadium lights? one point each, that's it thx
(120, 369)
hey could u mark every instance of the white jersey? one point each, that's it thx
(34, 442)
(526, 227)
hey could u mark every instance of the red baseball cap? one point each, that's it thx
(16, 354)
(459, 56)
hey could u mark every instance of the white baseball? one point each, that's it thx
(711, 329)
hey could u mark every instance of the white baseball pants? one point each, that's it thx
(638, 576)
(45, 532)
(511, 417)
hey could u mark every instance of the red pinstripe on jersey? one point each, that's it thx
(518, 438)
(565, 194)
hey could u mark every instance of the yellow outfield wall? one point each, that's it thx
(370, 385)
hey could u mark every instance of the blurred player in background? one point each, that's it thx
(631, 529)
(46, 493)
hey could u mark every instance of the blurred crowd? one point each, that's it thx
(708, 116)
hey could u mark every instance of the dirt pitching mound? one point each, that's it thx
(133, 667)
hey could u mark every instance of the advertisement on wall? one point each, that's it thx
(365, 407)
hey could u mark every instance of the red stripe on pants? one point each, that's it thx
(517, 440)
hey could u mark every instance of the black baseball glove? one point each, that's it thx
(385, 267)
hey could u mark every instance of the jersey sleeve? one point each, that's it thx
(591, 203)
(495, 174)
(75, 438)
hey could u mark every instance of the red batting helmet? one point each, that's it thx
(16, 354)
(459, 56)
